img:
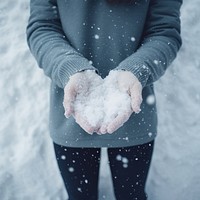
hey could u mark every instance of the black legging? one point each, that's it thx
(129, 166)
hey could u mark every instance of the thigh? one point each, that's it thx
(129, 168)
(79, 168)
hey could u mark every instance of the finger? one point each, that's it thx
(98, 131)
(136, 98)
(118, 122)
(69, 98)
(103, 129)
(84, 124)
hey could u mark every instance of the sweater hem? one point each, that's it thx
(108, 143)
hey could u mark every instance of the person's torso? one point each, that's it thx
(105, 34)
(102, 32)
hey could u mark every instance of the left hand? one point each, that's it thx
(127, 82)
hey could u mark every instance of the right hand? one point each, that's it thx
(78, 83)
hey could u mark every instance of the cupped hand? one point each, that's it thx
(127, 82)
(78, 83)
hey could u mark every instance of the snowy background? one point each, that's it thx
(27, 166)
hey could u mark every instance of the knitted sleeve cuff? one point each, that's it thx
(139, 69)
(70, 67)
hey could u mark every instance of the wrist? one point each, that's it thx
(140, 71)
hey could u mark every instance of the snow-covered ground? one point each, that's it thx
(27, 166)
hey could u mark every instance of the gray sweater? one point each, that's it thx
(68, 36)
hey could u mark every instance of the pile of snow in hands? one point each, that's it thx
(103, 101)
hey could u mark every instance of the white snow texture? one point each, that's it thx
(27, 164)
(102, 95)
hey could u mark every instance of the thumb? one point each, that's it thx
(69, 98)
(136, 97)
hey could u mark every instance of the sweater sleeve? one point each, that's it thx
(49, 45)
(160, 44)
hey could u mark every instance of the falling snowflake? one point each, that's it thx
(63, 157)
(125, 165)
(156, 62)
(71, 169)
(96, 36)
(119, 157)
(150, 134)
(133, 39)
(86, 181)
(90, 62)
(124, 160)
(150, 99)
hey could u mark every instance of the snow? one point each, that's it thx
(71, 169)
(27, 164)
(96, 36)
(150, 99)
(119, 157)
(133, 39)
(102, 95)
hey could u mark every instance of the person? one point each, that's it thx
(75, 41)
